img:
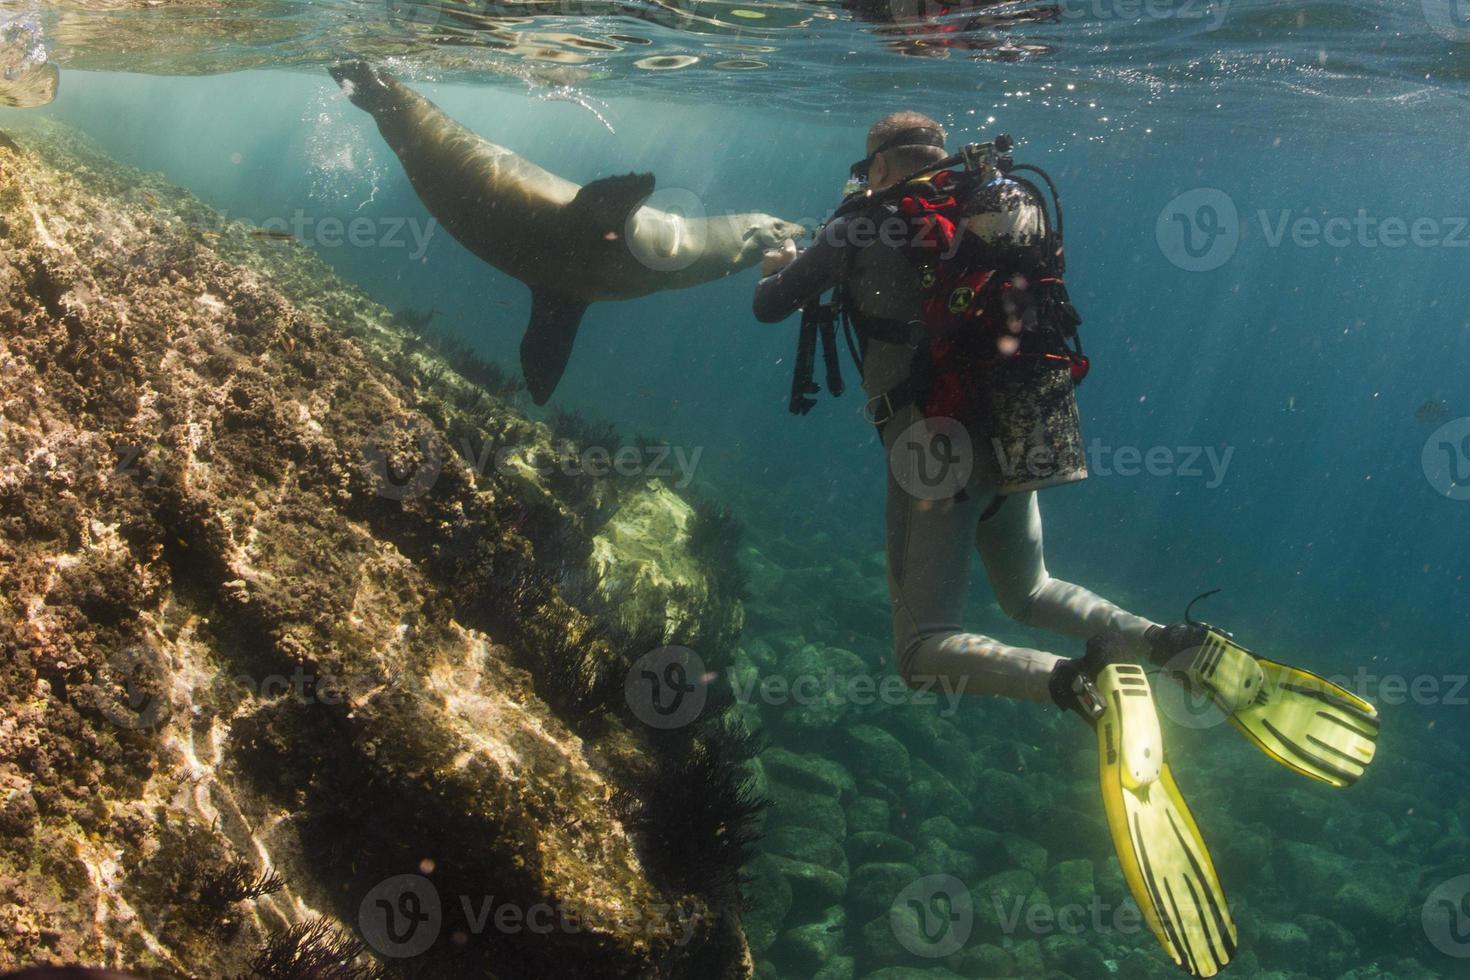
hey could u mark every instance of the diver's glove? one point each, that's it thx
(1073, 682)
(1167, 642)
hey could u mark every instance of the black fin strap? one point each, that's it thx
(1190, 608)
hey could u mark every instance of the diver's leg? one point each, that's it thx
(1010, 544)
(928, 572)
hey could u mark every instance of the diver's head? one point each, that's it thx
(899, 145)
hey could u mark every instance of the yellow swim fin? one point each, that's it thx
(1165, 862)
(1303, 721)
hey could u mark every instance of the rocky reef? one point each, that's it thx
(312, 658)
(918, 836)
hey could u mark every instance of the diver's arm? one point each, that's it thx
(814, 271)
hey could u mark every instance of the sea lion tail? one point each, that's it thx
(600, 212)
(547, 346)
(365, 87)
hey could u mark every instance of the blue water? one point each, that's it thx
(1321, 372)
(1307, 362)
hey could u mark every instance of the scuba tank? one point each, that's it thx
(996, 343)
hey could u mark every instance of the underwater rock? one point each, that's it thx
(275, 655)
(1009, 801)
(983, 960)
(1333, 947)
(837, 968)
(808, 845)
(812, 885)
(1071, 883)
(868, 813)
(935, 857)
(1306, 871)
(1024, 854)
(877, 847)
(792, 807)
(813, 773)
(806, 947)
(911, 973)
(1072, 956)
(1003, 899)
(873, 887)
(1285, 944)
(1374, 902)
(769, 894)
(872, 753)
(822, 683)
(930, 792)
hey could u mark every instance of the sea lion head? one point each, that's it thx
(766, 232)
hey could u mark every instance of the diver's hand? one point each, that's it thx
(774, 261)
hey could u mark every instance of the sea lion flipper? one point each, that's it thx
(605, 205)
(365, 88)
(547, 346)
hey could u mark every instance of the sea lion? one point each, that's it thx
(572, 245)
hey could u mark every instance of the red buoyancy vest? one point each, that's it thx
(972, 316)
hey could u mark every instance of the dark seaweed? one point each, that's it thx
(714, 539)
(697, 816)
(312, 951)
(585, 432)
(237, 882)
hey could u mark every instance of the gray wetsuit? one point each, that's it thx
(929, 541)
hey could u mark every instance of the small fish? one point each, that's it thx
(150, 198)
(272, 235)
(1433, 410)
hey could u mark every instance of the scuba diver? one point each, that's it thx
(947, 273)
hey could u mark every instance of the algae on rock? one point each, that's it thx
(261, 616)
